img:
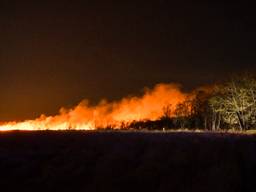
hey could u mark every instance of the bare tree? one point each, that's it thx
(167, 111)
(235, 102)
(216, 104)
(183, 113)
(200, 109)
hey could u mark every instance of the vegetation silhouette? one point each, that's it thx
(227, 106)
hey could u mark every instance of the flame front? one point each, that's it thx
(86, 117)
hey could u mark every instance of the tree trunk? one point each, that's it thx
(213, 122)
(241, 124)
(205, 123)
(218, 121)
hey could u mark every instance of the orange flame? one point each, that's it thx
(87, 117)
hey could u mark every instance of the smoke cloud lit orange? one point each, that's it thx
(86, 117)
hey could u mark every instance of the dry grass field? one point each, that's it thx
(127, 161)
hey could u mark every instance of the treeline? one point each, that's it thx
(227, 106)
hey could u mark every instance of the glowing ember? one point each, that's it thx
(85, 117)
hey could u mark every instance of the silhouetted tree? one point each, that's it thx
(199, 109)
(183, 114)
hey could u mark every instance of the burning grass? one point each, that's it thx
(88, 117)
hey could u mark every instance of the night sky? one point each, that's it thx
(56, 53)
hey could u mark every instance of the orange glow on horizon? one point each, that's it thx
(86, 117)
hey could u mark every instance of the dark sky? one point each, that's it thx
(55, 53)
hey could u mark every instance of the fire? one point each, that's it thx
(86, 117)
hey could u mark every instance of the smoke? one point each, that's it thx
(85, 116)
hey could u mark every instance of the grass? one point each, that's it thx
(127, 161)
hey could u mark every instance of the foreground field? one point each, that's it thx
(127, 161)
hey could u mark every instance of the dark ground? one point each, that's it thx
(127, 161)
